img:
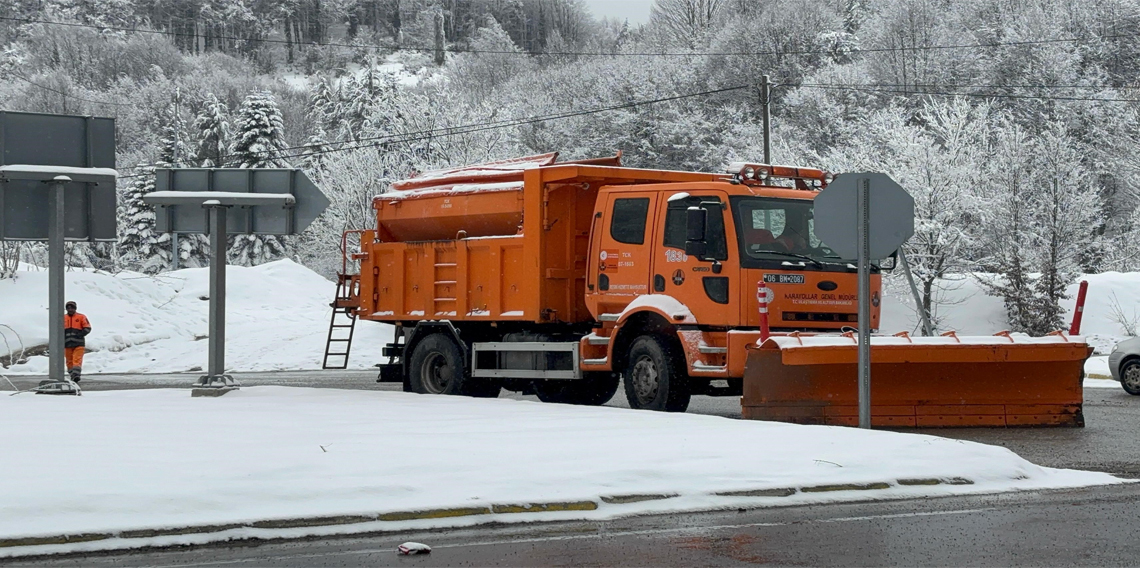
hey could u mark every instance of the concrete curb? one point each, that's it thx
(496, 509)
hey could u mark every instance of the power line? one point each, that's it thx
(967, 94)
(57, 91)
(414, 136)
(961, 86)
(395, 47)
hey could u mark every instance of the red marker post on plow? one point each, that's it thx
(764, 295)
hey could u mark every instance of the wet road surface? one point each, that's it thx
(1084, 527)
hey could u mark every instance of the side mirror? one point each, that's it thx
(695, 221)
(889, 262)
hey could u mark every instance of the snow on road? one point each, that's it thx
(277, 318)
(118, 460)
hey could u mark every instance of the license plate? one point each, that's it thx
(784, 278)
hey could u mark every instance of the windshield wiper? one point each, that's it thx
(794, 255)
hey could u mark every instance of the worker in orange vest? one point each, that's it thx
(75, 329)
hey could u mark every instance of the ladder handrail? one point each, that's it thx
(344, 256)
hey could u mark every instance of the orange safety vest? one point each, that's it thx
(73, 326)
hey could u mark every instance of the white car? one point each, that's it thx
(1124, 363)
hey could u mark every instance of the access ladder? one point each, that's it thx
(342, 322)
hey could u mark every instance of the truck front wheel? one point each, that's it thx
(436, 367)
(654, 380)
(593, 389)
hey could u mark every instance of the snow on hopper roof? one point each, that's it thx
(500, 171)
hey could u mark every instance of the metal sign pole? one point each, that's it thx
(863, 198)
(55, 279)
(217, 364)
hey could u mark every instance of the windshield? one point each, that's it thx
(774, 231)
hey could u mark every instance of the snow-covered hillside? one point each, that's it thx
(966, 308)
(277, 318)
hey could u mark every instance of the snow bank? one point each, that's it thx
(277, 318)
(158, 458)
(967, 309)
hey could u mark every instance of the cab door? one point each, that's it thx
(710, 287)
(621, 249)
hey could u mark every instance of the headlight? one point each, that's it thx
(749, 172)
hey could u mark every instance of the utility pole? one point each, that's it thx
(439, 57)
(177, 133)
(766, 104)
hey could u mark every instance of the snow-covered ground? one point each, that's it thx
(277, 317)
(158, 458)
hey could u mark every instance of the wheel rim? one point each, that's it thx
(1131, 376)
(434, 375)
(645, 379)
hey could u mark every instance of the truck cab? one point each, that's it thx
(688, 258)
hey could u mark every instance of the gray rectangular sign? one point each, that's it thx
(56, 140)
(255, 219)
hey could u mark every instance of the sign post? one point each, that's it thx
(56, 284)
(865, 217)
(221, 201)
(57, 183)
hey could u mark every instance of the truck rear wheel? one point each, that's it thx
(436, 367)
(654, 380)
(593, 389)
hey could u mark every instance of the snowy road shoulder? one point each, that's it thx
(266, 461)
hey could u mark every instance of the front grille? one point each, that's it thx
(824, 317)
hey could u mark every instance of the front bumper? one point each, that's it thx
(1114, 364)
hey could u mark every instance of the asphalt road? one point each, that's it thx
(1085, 527)
(1106, 443)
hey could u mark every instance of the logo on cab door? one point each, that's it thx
(609, 260)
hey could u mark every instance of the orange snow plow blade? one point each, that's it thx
(919, 382)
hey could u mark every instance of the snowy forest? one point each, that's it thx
(1014, 123)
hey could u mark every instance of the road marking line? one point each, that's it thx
(595, 535)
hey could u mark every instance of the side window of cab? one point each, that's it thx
(627, 222)
(676, 219)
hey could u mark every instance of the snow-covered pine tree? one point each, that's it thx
(1068, 214)
(140, 246)
(324, 105)
(259, 141)
(212, 133)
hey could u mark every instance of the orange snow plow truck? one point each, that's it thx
(572, 279)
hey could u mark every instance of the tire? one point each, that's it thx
(593, 389)
(437, 367)
(654, 376)
(1130, 377)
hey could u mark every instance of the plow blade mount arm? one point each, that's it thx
(997, 380)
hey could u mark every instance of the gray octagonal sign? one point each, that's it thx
(890, 212)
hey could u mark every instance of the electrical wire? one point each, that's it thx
(414, 136)
(966, 94)
(57, 91)
(377, 141)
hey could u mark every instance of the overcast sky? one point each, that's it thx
(636, 11)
